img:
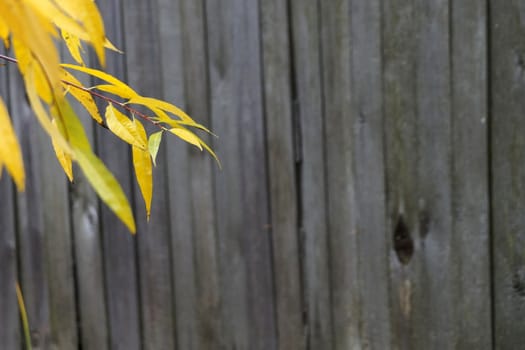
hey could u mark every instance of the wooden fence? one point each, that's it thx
(372, 194)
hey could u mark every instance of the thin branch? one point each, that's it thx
(103, 97)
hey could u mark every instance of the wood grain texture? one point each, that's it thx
(87, 247)
(9, 315)
(309, 128)
(144, 73)
(470, 176)
(190, 174)
(247, 301)
(508, 174)
(280, 143)
(118, 246)
(340, 173)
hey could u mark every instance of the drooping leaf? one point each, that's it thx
(115, 90)
(187, 136)
(104, 76)
(124, 128)
(154, 144)
(4, 33)
(74, 46)
(83, 97)
(151, 103)
(63, 158)
(42, 115)
(143, 170)
(106, 186)
(86, 11)
(10, 154)
(210, 151)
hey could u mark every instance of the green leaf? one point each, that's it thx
(154, 144)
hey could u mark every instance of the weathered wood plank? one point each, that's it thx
(119, 254)
(305, 22)
(144, 73)
(91, 295)
(399, 93)
(9, 316)
(340, 174)
(281, 170)
(436, 173)
(190, 175)
(507, 72)
(367, 148)
(470, 176)
(241, 187)
(30, 215)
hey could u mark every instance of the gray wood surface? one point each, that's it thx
(371, 195)
(311, 181)
(144, 71)
(508, 174)
(118, 246)
(9, 315)
(247, 299)
(280, 143)
(340, 173)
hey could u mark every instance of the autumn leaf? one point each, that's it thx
(187, 136)
(104, 76)
(10, 154)
(124, 128)
(106, 186)
(143, 170)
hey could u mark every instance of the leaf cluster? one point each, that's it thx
(31, 28)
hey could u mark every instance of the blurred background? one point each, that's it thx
(371, 197)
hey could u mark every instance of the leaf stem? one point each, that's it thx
(103, 97)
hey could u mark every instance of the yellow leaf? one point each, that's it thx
(4, 33)
(25, 60)
(74, 46)
(115, 90)
(153, 145)
(152, 103)
(104, 76)
(86, 11)
(63, 159)
(41, 113)
(26, 26)
(83, 97)
(10, 154)
(124, 128)
(109, 45)
(143, 170)
(187, 136)
(106, 186)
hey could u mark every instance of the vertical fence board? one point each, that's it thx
(241, 199)
(367, 149)
(470, 241)
(340, 176)
(307, 79)
(9, 315)
(119, 255)
(195, 272)
(507, 73)
(281, 170)
(400, 135)
(144, 74)
(91, 297)
(30, 216)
